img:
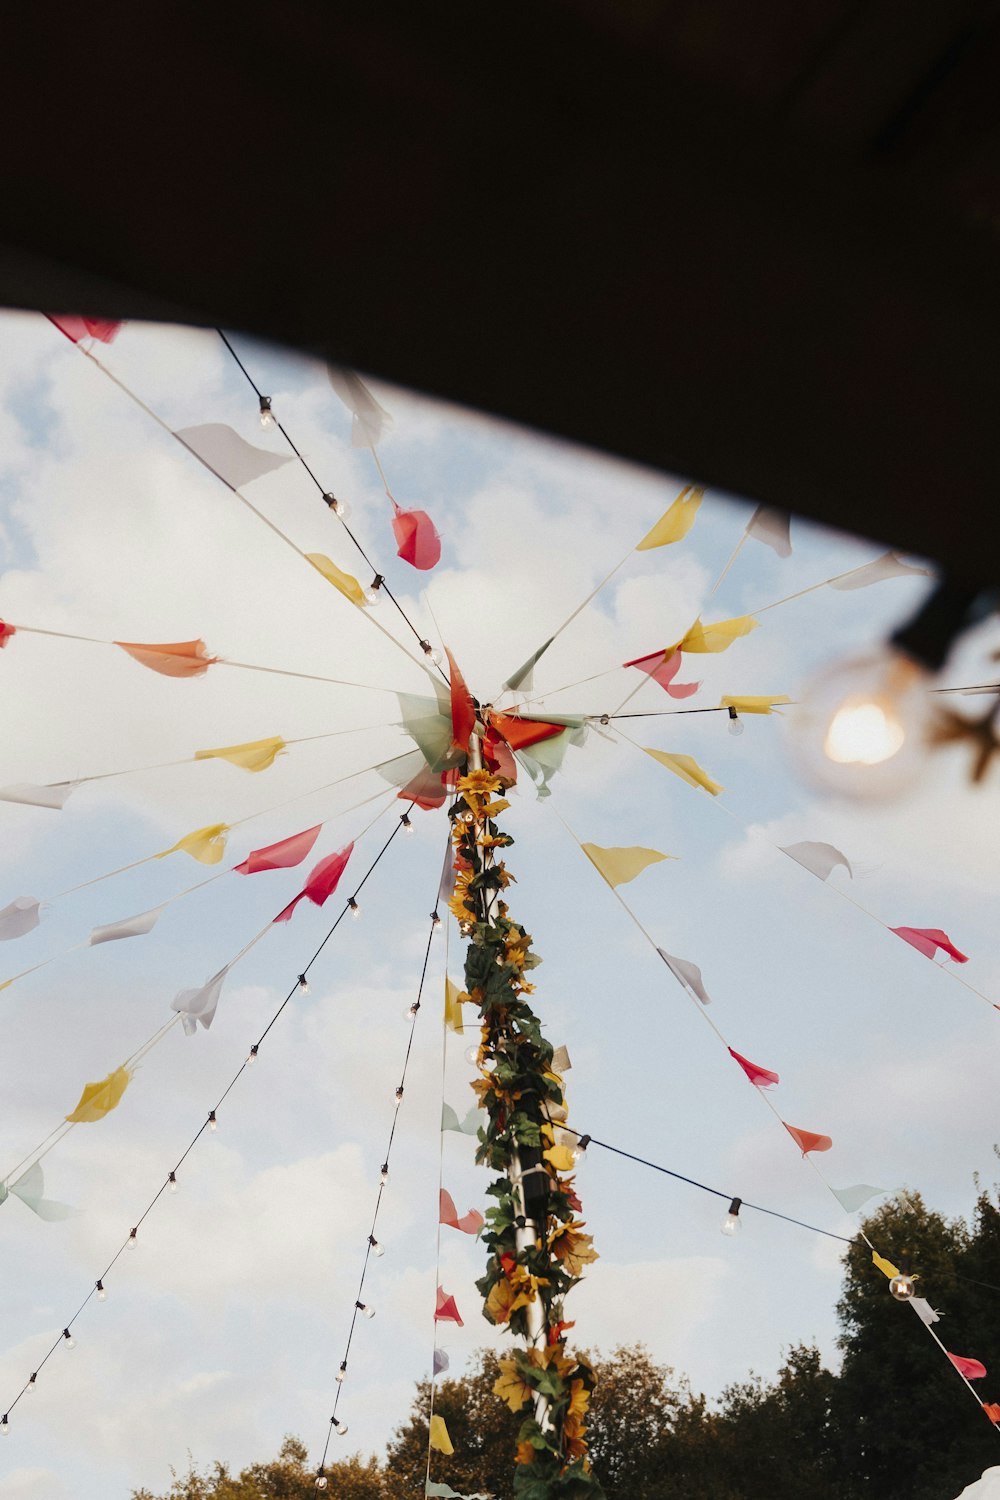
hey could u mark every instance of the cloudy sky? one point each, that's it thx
(225, 1325)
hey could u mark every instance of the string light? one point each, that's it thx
(321, 1480)
(465, 928)
(580, 1149)
(366, 1308)
(133, 1235)
(376, 1248)
(29, 1388)
(341, 1375)
(4, 1425)
(732, 1223)
(435, 919)
(411, 1013)
(337, 506)
(102, 1295)
(736, 724)
(266, 414)
(171, 1182)
(902, 1287)
(407, 823)
(340, 1428)
(372, 592)
(303, 984)
(68, 1339)
(383, 1175)
(213, 1123)
(430, 652)
(353, 908)
(472, 1055)
(399, 1094)
(252, 1056)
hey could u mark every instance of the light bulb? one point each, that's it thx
(902, 1287)
(399, 1094)
(376, 1248)
(171, 1182)
(133, 1236)
(468, 816)
(407, 823)
(411, 1014)
(341, 1374)
(340, 1429)
(366, 1308)
(252, 1056)
(431, 652)
(266, 414)
(353, 908)
(102, 1295)
(472, 1056)
(303, 984)
(31, 1383)
(337, 506)
(321, 1481)
(732, 1223)
(373, 591)
(435, 919)
(213, 1123)
(68, 1339)
(861, 728)
(736, 724)
(580, 1149)
(465, 928)
(383, 1175)
(4, 1425)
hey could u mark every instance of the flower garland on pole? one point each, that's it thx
(537, 1247)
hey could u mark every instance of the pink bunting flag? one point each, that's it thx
(417, 541)
(470, 1223)
(927, 940)
(175, 659)
(322, 882)
(762, 1078)
(807, 1140)
(446, 1310)
(280, 856)
(663, 669)
(76, 328)
(6, 631)
(970, 1368)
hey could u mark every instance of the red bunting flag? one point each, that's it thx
(280, 856)
(417, 541)
(6, 631)
(927, 940)
(970, 1368)
(761, 1077)
(663, 669)
(426, 789)
(807, 1140)
(76, 328)
(498, 755)
(175, 659)
(322, 882)
(992, 1410)
(446, 1310)
(520, 733)
(470, 1223)
(463, 710)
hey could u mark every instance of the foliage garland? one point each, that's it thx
(523, 1098)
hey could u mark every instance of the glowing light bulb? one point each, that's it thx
(266, 414)
(376, 1248)
(435, 919)
(68, 1339)
(252, 1056)
(171, 1182)
(337, 506)
(29, 1388)
(431, 652)
(366, 1308)
(411, 1014)
(902, 1287)
(472, 1055)
(468, 816)
(732, 1223)
(102, 1295)
(465, 928)
(736, 724)
(407, 823)
(4, 1425)
(399, 1094)
(353, 908)
(321, 1481)
(303, 984)
(340, 1428)
(341, 1374)
(373, 592)
(133, 1236)
(383, 1175)
(580, 1149)
(213, 1123)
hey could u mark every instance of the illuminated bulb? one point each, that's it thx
(337, 506)
(31, 1383)
(431, 653)
(580, 1149)
(102, 1295)
(376, 1248)
(383, 1175)
(732, 1223)
(266, 414)
(407, 823)
(902, 1287)
(373, 591)
(133, 1236)
(353, 908)
(303, 984)
(468, 816)
(736, 724)
(340, 1429)
(411, 1014)
(252, 1056)
(213, 1123)
(399, 1094)
(68, 1339)
(341, 1374)
(366, 1308)
(435, 919)
(465, 928)
(321, 1481)
(472, 1055)
(172, 1182)
(4, 1425)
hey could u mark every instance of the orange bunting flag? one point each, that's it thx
(992, 1410)
(176, 659)
(807, 1140)
(6, 631)
(927, 940)
(463, 710)
(762, 1078)
(970, 1368)
(446, 1310)
(470, 1223)
(280, 856)
(520, 733)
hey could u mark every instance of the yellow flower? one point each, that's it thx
(574, 1443)
(492, 808)
(479, 783)
(511, 1387)
(571, 1248)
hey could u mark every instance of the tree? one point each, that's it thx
(289, 1477)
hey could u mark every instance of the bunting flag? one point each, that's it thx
(524, 676)
(687, 769)
(761, 1078)
(676, 521)
(520, 733)
(417, 540)
(323, 881)
(280, 856)
(545, 757)
(498, 756)
(890, 565)
(992, 1410)
(53, 796)
(370, 420)
(7, 632)
(927, 940)
(819, 859)
(441, 1362)
(21, 916)
(718, 637)
(970, 1368)
(468, 1126)
(662, 667)
(446, 1310)
(428, 723)
(427, 789)
(452, 1005)
(345, 582)
(924, 1311)
(885, 1266)
(439, 1438)
(687, 974)
(199, 1005)
(619, 866)
(470, 1223)
(749, 704)
(854, 1197)
(128, 927)
(807, 1140)
(229, 456)
(560, 1061)
(105, 330)
(99, 1099)
(30, 1188)
(772, 528)
(255, 755)
(175, 659)
(206, 845)
(463, 710)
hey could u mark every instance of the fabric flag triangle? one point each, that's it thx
(523, 677)
(53, 796)
(520, 733)
(890, 565)
(808, 1140)
(207, 845)
(345, 582)
(446, 1310)
(927, 940)
(819, 859)
(687, 769)
(856, 1196)
(992, 1410)
(417, 540)
(619, 866)
(128, 927)
(428, 723)
(924, 1311)
(280, 856)
(230, 457)
(174, 659)
(498, 756)
(441, 1362)
(885, 1266)
(450, 1120)
(463, 710)
(970, 1368)
(762, 1078)
(426, 789)
(7, 632)
(470, 1223)
(323, 881)
(772, 528)
(255, 755)
(560, 1061)
(370, 418)
(744, 703)
(439, 1438)
(30, 1188)
(452, 1005)
(99, 1099)
(105, 330)
(662, 667)
(676, 521)
(687, 974)
(718, 637)
(21, 916)
(200, 1004)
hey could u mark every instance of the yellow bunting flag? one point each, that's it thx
(255, 755)
(99, 1099)
(715, 637)
(687, 769)
(676, 522)
(452, 1005)
(206, 845)
(751, 705)
(439, 1436)
(345, 582)
(619, 866)
(885, 1266)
